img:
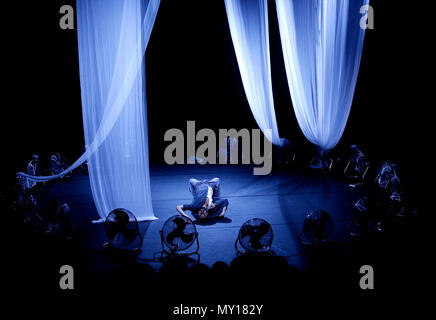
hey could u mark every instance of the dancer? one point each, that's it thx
(207, 202)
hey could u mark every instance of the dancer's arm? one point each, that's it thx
(180, 210)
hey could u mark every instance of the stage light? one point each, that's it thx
(317, 227)
(255, 236)
(122, 232)
(395, 180)
(396, 207)
(60, 224)
(361, 221)
(384, 175)
(285, 153)
(57, 163)
(32, 169)
(178, 234)
(357, 166)
(321, 161)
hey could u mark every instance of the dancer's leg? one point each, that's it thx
(215, 184)
(193, 184)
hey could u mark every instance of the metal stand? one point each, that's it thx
(173, 252)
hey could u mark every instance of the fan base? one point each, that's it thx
(120, 254)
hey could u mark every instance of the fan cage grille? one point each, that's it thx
(178, 234)
(317, 226)
(121, 228)
(252, 227)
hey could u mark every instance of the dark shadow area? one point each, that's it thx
(212, 221)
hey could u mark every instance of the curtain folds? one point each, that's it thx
(112, 78)
(322, 46)
(112, 38)
(248, 22)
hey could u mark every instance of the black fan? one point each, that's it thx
(178, 235)
(122, 231)
(255, 236)
(317, 227)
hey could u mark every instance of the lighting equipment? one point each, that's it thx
(178, 234)
(361, 221)
(57, 163)
(122, 232)
(317, 227)
(396, 206)
(285, 153)
(395, 180)
(255, 236)
(32, 169)
(61, 225)
(20, 189)
(29, 208)
(384, 175)
(357, 167)
(321, 161)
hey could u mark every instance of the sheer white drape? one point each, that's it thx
(112, 78)
(112, 38)
(322, 45)
(248, 21)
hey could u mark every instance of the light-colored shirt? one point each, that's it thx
(209, 196)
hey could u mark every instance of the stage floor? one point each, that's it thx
(282, 198)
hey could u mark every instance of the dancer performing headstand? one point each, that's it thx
(207, 202)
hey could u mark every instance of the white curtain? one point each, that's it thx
(112, 38)
(248, 21)
(322, 45)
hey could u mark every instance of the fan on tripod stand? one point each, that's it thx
(255, 236)
(122, 232)
(317, 227)
(178, 234)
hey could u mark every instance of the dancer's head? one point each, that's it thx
(202, 213)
